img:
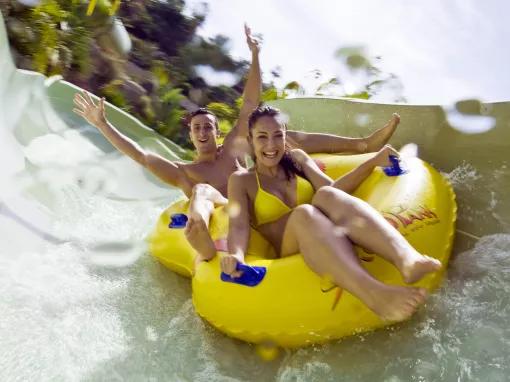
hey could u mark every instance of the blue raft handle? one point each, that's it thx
(394, 169)
(252, 276)
(178, 221)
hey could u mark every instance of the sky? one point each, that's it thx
(441, 50)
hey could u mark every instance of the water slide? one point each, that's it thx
(46, 147)
(470, 141)
(64, 189)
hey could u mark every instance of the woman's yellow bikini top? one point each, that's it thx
(268, 207)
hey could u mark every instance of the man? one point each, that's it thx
(205, 179)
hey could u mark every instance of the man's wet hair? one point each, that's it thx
(201, 111)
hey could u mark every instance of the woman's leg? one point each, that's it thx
(368, 229)
(330, 253)
(203, 199)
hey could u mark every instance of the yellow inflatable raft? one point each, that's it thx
(292, 306)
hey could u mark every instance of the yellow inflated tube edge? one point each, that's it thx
(172, 249)
(294, 307)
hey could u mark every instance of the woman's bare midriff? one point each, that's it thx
(273, 232)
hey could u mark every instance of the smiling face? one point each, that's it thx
(268, 141)
(203, 132)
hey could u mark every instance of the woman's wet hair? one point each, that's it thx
(201, 111)
(262, 111)
(289, 165)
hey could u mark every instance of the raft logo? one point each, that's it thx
(412, 218)
(338, 294)
(402, 218)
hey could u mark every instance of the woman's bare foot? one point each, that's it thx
(198, 236)
(379, 138)
(416, 266)
(396, 303)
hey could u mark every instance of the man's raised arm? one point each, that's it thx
(168, 171)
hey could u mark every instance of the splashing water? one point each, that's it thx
(133, 320)
(463, 176)
(81, 299)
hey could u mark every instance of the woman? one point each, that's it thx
(300, 209)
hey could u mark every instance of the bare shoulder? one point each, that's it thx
(299, 156)
(243, 180)
(187, 166)
(156, 159)
(190, 169)
(241, 176)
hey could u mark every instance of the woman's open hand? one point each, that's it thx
(252, 42)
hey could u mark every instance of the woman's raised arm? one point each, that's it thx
(251, 93)
(350, 181)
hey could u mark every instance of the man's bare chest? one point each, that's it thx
(214, 173)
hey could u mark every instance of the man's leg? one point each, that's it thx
(379, 138)
(329, 143)
(203, 199)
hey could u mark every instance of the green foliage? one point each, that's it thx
(226, 115)
(223, 111)
(103, 6)
(360, 95)
(160, 23)
(351, 50)
(292, 88)
(44, 18)
(239, 103)
(172, 96)
(49, 10)
(225, 126)
(325, 86)
(272, 94)
(293, 85)
(171, 114)
(357, 60)
(147, 109)
(161, 74)
(80, 41)
(113, 94)
(48, 40)
(59, 38)
(52, 35)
